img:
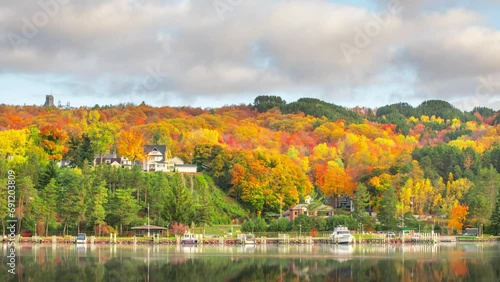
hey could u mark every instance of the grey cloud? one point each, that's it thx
(112, 44)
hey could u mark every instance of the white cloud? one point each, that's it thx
(446, 48)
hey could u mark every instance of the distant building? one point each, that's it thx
(49, 101)
(186, 168)
(156, 159)
(298, 209)
(145, 230)
(345, 203)
(113, 160)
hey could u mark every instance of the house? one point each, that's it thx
(175, 161)
(298, 209)
(345, 203)
(321, 210)
(156, 159)
(186, 168)
(113, 160)
(144, 230)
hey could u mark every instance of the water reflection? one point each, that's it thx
(465, 262)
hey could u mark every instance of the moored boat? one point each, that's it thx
(189, 238)
(247, 239)
(81, 238)
(341, 235)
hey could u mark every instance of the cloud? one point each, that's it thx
(110, 47)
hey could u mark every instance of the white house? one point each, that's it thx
(155, 158)
(113, 160)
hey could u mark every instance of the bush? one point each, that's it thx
(344, 220)
(303, 223)
(280, 225)
(254, 225)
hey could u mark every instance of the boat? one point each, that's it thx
(247, 239)
(81, 238)
(341, 235)
(189, 238)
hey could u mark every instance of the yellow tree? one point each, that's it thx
(457, 216)
(131, 145)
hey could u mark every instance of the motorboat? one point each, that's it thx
(247, 239)
(81, 238)
(341, 235)
(189, 238)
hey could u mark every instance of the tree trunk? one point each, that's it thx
(121, 228)
(64, 228)
(20, 219)
(3, 228)
(47, 227)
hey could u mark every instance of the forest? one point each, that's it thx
(398, 162)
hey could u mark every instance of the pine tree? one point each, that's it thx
(495, 217)
(361, 201)
(178, 206)
(388, 209)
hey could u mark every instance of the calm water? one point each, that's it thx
(454, 262)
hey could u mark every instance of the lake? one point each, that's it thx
(440, 262)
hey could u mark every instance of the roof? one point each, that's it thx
(111, 160)
(300, 206)
(160, 148)
(186, 165)
(151, 227)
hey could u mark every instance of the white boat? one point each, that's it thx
(189, 238)
(341, 235)
(81, 238)
(247, 239)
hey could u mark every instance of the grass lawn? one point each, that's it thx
(221, 230)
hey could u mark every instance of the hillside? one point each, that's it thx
(263, 158)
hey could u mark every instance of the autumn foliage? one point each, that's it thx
(269, 156)
(458, 215)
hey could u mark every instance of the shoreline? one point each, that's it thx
(258, 241)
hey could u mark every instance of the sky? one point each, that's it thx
(211, 53)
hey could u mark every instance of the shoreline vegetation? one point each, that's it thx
(299, 167)
(281, 239)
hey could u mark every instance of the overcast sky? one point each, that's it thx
(212, 53)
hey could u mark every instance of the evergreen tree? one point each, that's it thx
(495, 217)
(388, 209)
(124, 207)
(179, 204)
(361, 201)
(49, 203)
(204, 210)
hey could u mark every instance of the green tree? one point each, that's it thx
(203, 207)
(495, 217)
(79, 151)
(101, 137)
(4, 208)
(27, 198)
(179, 204)
(71, 206)
(124, 207)
(280, 225)
(49, 203)
(345, 220)
(361, 201)
(303, 223)
(48, 173)
(388, 209)
(257, 224)
(97, 212)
